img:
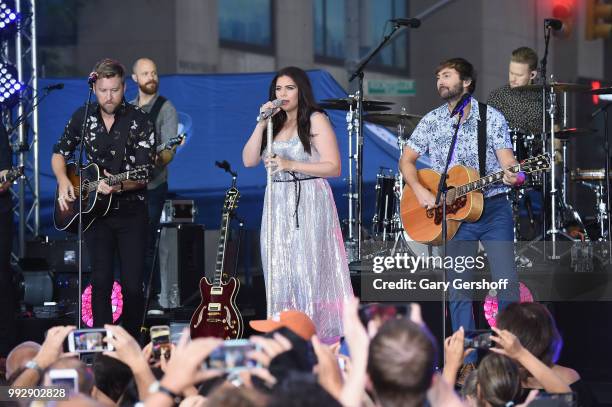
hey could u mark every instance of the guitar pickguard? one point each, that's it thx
(453, 208)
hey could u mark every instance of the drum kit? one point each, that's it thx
(386, 222)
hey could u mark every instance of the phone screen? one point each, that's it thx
(89, 340)
(68, 383)
(160, 339)
(232, 356)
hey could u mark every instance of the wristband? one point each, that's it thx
(32, 364)
(520, 178)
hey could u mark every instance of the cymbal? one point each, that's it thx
(393, 119)
(558, 87)
(565, 134)
(601, 91)
(346, 103)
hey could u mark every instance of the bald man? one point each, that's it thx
(20, 355)
(164, 116)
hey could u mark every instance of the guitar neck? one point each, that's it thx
(110, 181)
(487, 180)
(221, 249)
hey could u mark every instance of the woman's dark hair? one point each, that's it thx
(463, 67)
(535, 328)
(306, 106)
(498, 380)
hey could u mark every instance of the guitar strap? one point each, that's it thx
(159, 102)
(482, 139)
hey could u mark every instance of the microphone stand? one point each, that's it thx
(79, 197)
(441, 196)
(268, 203)
(359, 132)
(604, 110)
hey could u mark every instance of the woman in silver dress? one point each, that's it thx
(309, 265)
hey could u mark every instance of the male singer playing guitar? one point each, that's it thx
(119, 137)
(456, 78)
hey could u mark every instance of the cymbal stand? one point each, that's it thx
(351, 245)
(398, 227)
(553, 231)
(601, 207)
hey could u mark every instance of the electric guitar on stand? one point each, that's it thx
(465, 202)
(11, 175)
(217, 315)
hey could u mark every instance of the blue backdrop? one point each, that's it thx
(218, 114)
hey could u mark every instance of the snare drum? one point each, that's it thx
(385, 202)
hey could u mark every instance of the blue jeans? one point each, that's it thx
(495, 230)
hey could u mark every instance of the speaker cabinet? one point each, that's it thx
(181, 256)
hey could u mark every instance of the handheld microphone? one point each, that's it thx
(465, 99)
(553, 23)
(269, 112)
(57, 86)
(93, 77)
(407, 22)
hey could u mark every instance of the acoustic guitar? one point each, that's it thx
(217, 315)
(464, 199)
(95, 204)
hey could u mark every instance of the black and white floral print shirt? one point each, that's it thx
(130, 143)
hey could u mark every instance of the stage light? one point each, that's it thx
(9, 19)
(595, 85)
(491, 305)
(10, 88)
(116, 304)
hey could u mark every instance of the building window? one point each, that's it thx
(246, 23)
(375, 14)
(330, 25)
(330, 18)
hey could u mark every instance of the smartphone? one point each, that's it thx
(65, 378)
(568, 398)
(89, 340)
(160, 339)
(478, 339)
(231, 356)
(382, 312)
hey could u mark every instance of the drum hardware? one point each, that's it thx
(594, 179)
(354, 104)
(557, 87)
(348, 103)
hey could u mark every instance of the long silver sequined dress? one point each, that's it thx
(309, 264)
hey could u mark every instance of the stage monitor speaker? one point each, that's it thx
(181, 256)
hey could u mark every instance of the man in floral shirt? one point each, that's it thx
(456, 78)
(119, 137)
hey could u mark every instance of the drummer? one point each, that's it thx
(522, 108)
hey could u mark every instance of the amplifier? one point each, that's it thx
(178, 211)
(181, 262)
(54, 255)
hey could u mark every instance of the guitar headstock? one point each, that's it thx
(14, 173)
(533, 164)
(231, 200)
(174, 141)
(139, 173)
